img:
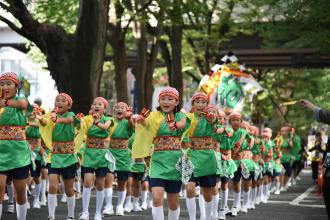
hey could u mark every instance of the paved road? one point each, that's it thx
(300, 202)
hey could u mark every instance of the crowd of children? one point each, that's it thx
(165, 153)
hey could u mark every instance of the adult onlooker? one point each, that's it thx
(317, 155)
(321, 115)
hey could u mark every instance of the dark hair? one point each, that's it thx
(318, 134)
(175, 110)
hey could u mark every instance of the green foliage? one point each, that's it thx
(63, 13)
(294, 23)
(290, 85)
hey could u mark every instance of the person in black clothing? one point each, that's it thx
(317, 155)
(322, 115)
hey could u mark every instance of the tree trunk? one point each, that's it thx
(88, 56)
(141, 66)
(176, 44)
(116, 37)
(75, 61)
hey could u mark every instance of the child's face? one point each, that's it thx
(199, 105)
(266, 138)
(120, 110)
(98, 106)
(9, 89)
(235, 123)
(168, 103)
(62, 104)
(221, 120)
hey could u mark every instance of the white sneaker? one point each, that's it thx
(70, 218)
(144, 206)
(11, 208)
(108, 211)
(282, 189)
(294, 182)
(272, 190)
(264, 200)
(257, 200)
(289, 183)
(252, 206)
(43, 202)
(36, 204)
(64, 198)
(84, 216)
(119, 211)
(277, 192)
(137, 207)
(227, 211)
(222, 215)
(234, 211)
(244, 209)
(298, 178)
(50, 218)
(128, 207)
(98, 217)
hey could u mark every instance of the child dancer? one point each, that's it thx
(240, 141)
(257, 150)
(15, 157)
(228, 166)
(166, 127)
(34, 139)
(96, 127)
(202, 155)
(57, 130)
(120, 134)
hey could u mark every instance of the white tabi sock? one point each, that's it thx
(215, 204)
(208, 210)
(99, 201)
(191, 206)
(108, 197)
(71, 201)
(253, 195)
(21, 211)
(173, 214)
(37, 192)
(77, 185)
(43, 190)
(237, 199)
(157, 213)
(144, 196)
(246, 196)
(266, 190)
(51, 205)
(224, 199)
(201, 203)
(121, 198)
(278, 185)
(86, 198)
(128, 200)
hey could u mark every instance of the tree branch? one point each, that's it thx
(12, 26)
(4, 6)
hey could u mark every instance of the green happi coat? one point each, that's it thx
(204, 161)
(121, 130)
(227, 167)
(247, 163)
(33, 132)
(94, 157)
(63, 133)
(163, 163)
(13, 153)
